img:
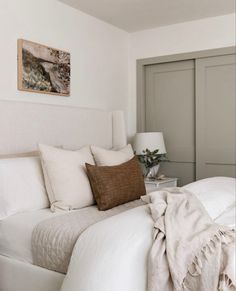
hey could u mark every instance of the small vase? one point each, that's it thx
(152, 172)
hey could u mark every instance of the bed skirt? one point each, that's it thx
(19, 276)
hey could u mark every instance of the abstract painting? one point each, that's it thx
(43, 69)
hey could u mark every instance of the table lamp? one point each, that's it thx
(150, 149)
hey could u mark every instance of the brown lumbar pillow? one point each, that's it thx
(115, 185)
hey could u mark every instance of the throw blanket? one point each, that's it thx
(53, 239)
(189, 252)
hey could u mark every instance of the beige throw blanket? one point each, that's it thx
(189, 252)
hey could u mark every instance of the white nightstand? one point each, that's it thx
(154, 185)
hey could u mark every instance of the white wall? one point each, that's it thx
(103, 57)
(99, 52)
(191, 36)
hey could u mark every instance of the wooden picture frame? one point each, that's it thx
(43, 69)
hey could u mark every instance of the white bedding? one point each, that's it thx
(112, 254)
(228, 218)
(16, 231)
(109, 255)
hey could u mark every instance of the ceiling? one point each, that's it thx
(135, 15)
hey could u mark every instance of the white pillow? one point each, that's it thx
(216, 194)
(21, 186)
(66, 180)
(111, 158)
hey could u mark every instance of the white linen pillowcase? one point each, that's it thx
(217, 194)
(105, 157)
(65, 175)
(21, 186)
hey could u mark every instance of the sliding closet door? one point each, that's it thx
(169, 108)
(215, 116)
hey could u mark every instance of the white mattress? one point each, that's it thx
(16, 231)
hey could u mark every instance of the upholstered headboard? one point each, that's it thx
(24, 125)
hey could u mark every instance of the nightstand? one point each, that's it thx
(154, 185)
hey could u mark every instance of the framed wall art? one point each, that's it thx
(43, 69)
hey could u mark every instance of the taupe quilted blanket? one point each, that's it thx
(53, 239)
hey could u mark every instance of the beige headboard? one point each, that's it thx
(24, 125)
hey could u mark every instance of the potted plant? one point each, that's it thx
(151, 161)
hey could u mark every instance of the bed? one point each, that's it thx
(16, 269)
(22, 127)
(117, 259)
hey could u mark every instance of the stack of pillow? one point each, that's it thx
(63, 179)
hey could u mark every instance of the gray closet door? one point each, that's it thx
(216, 116)
(170, 108)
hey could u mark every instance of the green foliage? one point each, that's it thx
(150, 159)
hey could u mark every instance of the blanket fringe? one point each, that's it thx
(225, 236)
(224, 283)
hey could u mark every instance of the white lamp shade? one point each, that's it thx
(149, 140)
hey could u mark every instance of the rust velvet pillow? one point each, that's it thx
(115, 185)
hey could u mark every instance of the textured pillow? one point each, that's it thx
(21, 186)
(104, 157)
(115, 185)
(216, 193)
(65, 176)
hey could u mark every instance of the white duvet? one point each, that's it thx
(112, 254)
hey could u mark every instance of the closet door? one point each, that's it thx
(170, 108)
(216, 116)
